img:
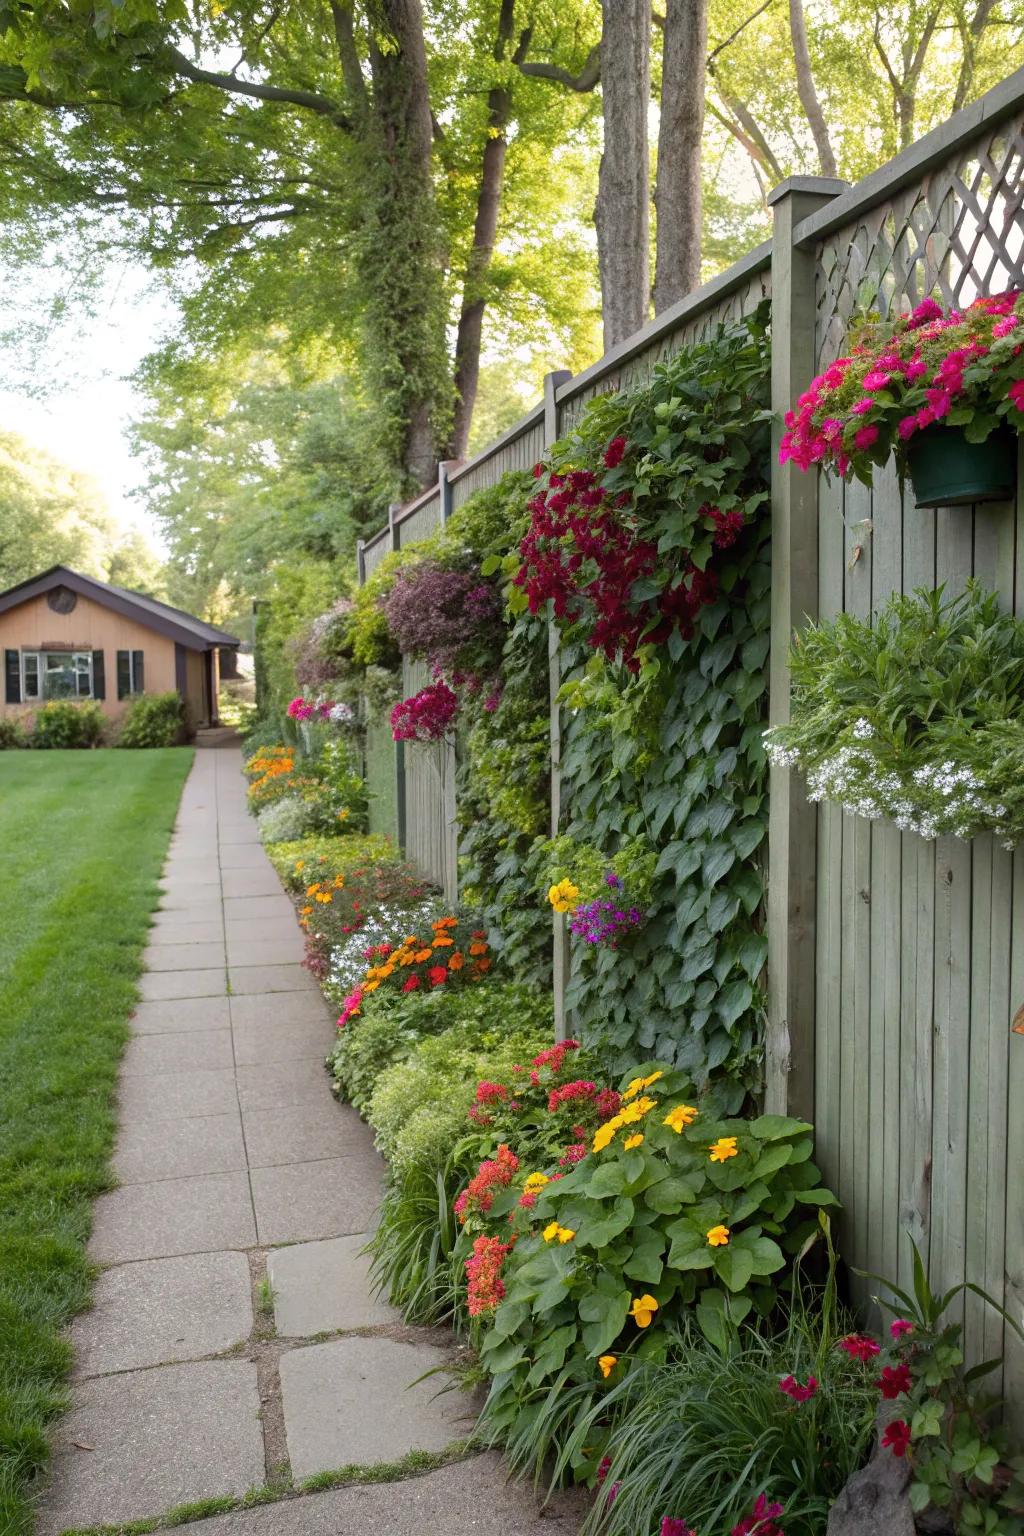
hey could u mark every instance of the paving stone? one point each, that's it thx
(182, 1013)
(259, 1044)
(304, 1201)
(324, 1287)
(177, 894)
(168, 930)
(206, 909)
(160, 1311)
(303, 1133)
(209, 981)
(354, 1401)
(200, 870)
(184, 957)
(176, 1149)
(285, 1082)
(156, 1438)
(270, 929)
(241, 835)
(251, 882)
(244, 856)
(469, 1498)
(251, 909)
(176, 1095)
(286, 949)
(248, 979)
(207, 1049)
(154, 1221)
(281, 1008)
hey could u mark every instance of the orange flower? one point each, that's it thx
(483, 965)
(443, 941)
(478, 949)
(370, 986)
(456, 962)
(421, 955)
(445, 922)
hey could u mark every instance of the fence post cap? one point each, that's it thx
(820, 186)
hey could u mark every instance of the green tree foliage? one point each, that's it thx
(51, 514)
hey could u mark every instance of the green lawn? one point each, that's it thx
(82, 840)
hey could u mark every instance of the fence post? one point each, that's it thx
(792, 822)
(394, 542)
(444, 487)
(560, 957)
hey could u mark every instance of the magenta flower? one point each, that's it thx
(899, 1327)
(865, 437)
(800, 1394)
(1016, 393)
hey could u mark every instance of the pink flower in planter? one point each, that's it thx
(1016, 393)
(865, 437)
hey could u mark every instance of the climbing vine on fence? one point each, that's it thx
(649, 538)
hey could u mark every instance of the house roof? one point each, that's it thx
(184, 628)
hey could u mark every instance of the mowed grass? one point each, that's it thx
(82, 840)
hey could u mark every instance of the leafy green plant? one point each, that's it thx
(774, 1411)
(288, 818)
(914, 717)
(153, 720)
(303, 860)
(12, 735)
(946, 1426)
(673, 1208)
(63, 724)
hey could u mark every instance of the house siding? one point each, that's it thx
(33, 626)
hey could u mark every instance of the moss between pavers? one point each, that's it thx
(413, 1464)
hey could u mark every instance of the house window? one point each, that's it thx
(131, 677)
(56, 675)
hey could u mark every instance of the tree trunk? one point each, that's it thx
(401, 247)
(808, 91)
(488, 205)
(621, 213)
(678, 194)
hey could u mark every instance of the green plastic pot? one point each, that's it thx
(948, 471)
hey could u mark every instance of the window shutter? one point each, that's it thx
(124, 674)
(99, 676)
(12, 677)
(139, 673)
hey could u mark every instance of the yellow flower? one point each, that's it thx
(566, 1234)
(652, 1079)
(718, 1237)
(299, 864)
(643, 1310)
(564, 896)
(636, 1111)
(680, 1117)
(631, 1142)
(724, 1148)
(536, 1181)
(606, 1364)
(551, 1231)
(606, 1132)
(633, 1089)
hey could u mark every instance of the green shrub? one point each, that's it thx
(153, 720)
(306, 859)
(63, 724)
(285, 820)
(673, 1208)
(390, 1028)
(12, 735)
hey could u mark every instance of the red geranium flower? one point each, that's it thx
(792, 1388)
(436, 975)
(894, 1380)
(859, 1347)
(897, 1437)
(613, 454)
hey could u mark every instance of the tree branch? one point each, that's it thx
(311, 101)
(348, 54)
(721, 47)
(745, 130)
(586, 80)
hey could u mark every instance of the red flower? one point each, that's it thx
(859, 1347)
(670, 1526)
(897, 1437)
(411, 985)
(436, 975)
(793, 1389)
(900, 1327)
(761, 1520)
(613, 454)
(603, 1468)
(894, 1380)
(1016, 393)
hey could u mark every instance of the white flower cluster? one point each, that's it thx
(861, 776)
(388, 925)
(341, 714)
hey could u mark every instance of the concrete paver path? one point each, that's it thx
(214, 1360)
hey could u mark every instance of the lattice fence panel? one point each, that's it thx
(956, 233)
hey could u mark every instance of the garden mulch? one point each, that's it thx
(235, 1340)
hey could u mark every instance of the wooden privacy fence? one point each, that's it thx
(895, 964)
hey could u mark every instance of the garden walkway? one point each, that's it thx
(235, 1342)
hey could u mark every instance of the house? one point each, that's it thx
(67, 636)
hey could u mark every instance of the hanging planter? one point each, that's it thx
(948, 471)
(942, 393)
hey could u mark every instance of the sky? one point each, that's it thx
(79, 410)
